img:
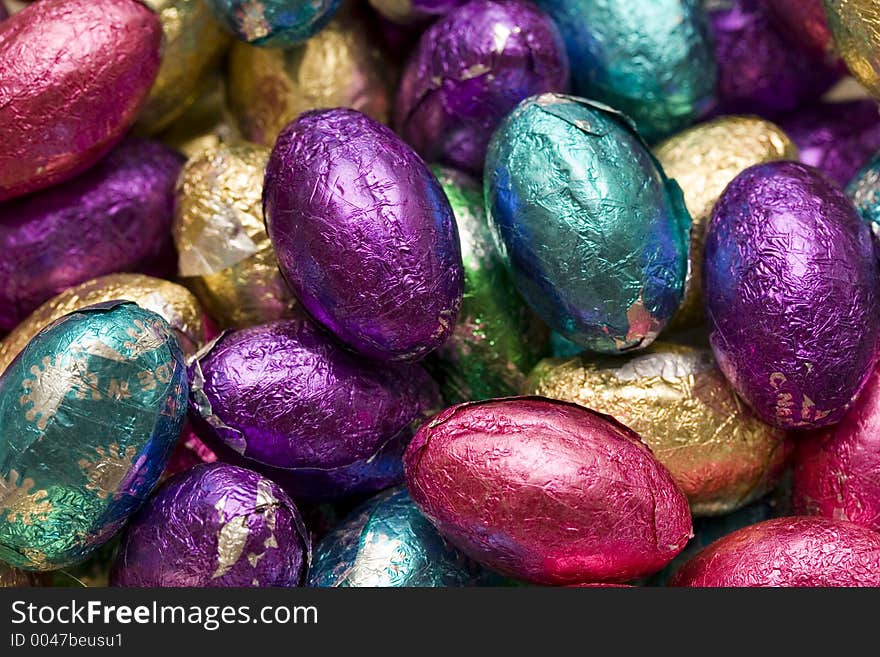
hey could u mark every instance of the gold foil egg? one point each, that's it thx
(678, 400)
(225, 255)
(338, 67)
(173, 302)
(855, 26)
(703, 160)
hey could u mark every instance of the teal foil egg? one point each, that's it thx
(595, 235)
(650, 59)
(864, 191)
(89, 412)
(498, 339)
(273, 23)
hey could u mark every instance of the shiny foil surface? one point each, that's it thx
(193, 46)
(75, 74)
(371, 250)
(792, 294)
(595, 235)
(339, 67)
(387, 542)
(650, 59)
(546, 491)
(469, 70)
(805, 25)
(788, 552)
(864, 191)
(215, 525)
(407, 12)
(855, 25)
(286, 395)
(90, 411)
(703, 160)
(675, 397)
(836, 138)
(188, 452)
(225, 255)
(497, 339)
(115, 217)
(273, 23)
(172, 302)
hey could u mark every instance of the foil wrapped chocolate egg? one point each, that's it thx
(864, 191)
(338, 67)
(372, 251)
(225, 255)
(286, 396)
(189, 451)
(650, 59)
(792, 293)
(273, 23)
(703, 160)
(387, 542)
(805, 25)
(469, 70)
(546, 491)
(215, 525)
(787, 552)
(855, 25)
(409, 12)
(595, 235)
(194, 44)
(115, 217)
(90, 411)
(497, 339)
(675, 397)
(75, 74)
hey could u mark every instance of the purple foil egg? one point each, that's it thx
(215, 525)
(116, 217)
(837, 138)
(792, 294)
(469, 71)
(287, 400)
(364, 234)
(413, 12)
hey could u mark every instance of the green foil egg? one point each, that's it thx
(498, 339)
(89, 412)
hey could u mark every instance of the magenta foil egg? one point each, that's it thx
(792, 294)
(215, 525)
(364, 234)
(73, 76)
(547, 491)
(469, 70)
(116, 217)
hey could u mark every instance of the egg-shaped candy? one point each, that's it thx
(215, 525)
(864, 191)
(189, 451)
(593, 232)
(338, 67)
(75, 73)
(792, 294)
(703, 160)
(855, 25)
(372, 251)
(546, 491)
(414, 12)
(90, 411)
(675, 397)
(273, 23)
(469, 70)
(796, 551)
(805, 25)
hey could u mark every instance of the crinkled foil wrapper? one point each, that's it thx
(469, 70)
(414, 12)
(497, 339)
(703, 160)
(189, 451)
(273, 23)
(90, 411)
(225, 255)
(75, 74)
(864, 191)
(172, 302)
(788, 552)
(546, 491)
(792, 294)
(387, 542)
(675, 397)
(338, 67)
(215, 525)
(194, 45)
(650, 59)
(855, 25)
(594, 233)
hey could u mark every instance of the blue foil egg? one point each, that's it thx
(650, 59)
(864, 191)
(595, 235)
(273, 23)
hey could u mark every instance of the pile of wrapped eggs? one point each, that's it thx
(439, 293)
